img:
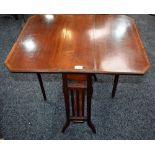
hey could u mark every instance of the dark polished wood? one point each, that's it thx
(108, 44)
(75, 88)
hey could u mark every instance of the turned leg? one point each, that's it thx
(115, 85)
(41, 86)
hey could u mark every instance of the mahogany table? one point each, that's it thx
(90, 44)
(107, 44)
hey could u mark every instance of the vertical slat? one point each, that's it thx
(83, 98)
(72, 101)
(77, 102)
(80, 101)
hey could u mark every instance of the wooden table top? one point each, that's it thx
(79, 43)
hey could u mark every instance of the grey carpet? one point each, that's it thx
(25, 115)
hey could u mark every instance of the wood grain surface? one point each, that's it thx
(109, 44)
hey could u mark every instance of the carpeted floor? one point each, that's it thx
(25, 115)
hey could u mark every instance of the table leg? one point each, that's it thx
(89, 96)
(66, 97)
(115, 85)
(95, 77)
(41, 86)
(16, 16)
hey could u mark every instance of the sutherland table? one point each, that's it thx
(106, 44)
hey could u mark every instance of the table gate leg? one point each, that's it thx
(95, 77)
(66, 97)
(89, 96)
(115, 85)
(41, 86)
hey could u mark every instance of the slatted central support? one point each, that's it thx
(77, 89)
